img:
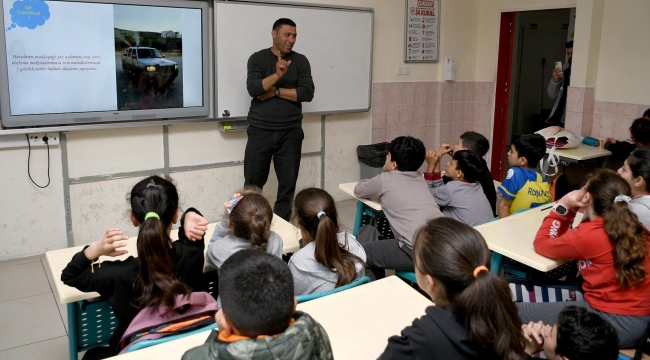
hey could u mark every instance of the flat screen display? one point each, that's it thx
(80, 62)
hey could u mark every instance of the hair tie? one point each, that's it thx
(622, 198)
(152, 183)
(151, 215)
(320, 213)
(479, 269)
(230, 204)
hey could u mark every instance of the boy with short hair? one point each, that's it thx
(462, 198)
(639, 134)
(523, 187)
(258, 318)
(406, 202)
(477, 143)
(577, 335)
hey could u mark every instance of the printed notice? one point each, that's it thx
(422, 27)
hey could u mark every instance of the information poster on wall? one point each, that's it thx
(422, 31)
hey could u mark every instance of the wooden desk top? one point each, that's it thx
(584, 152)
(358, 321)
(58, 259)
(513, 237)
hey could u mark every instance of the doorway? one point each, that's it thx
(530, 43)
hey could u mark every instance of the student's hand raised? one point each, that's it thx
(432, 158)
(111, 244)
(575, 200)
(281, 66)
(534, 335)
(195, 226)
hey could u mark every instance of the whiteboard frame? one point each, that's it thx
(219, 117)
(406, 24)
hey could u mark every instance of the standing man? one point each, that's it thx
(557, 89)
(279, 80)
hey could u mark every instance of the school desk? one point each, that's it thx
(584, 153)
(357, 324)
(370, 207)
(58, 259)
(513, 237)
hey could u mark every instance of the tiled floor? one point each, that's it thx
(35, 324)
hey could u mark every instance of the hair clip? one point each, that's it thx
(230, 204)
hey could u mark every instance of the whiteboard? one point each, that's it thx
(336, 41)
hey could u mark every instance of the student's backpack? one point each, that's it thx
(189, 313)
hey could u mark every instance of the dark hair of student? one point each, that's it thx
(328, 252)
(450, 251)
(646, 113)
(475, 142)
(584, 335)
(251, 218)
(622, 226)
(640, 130)
(469, 163)
(282, 21)
(408, 152)
(639, 163)
(569, 44)
(156, 278)
(530, 146)
(256, 291)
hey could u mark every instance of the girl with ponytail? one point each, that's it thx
(328, 258)
(473, 316)
(163, 268)
(246, 224)
(611, 249)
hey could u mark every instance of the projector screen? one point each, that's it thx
(76, 62)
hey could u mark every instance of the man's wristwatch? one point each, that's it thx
(560, 209)
(277, 92)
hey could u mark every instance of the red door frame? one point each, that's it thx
(502, 99)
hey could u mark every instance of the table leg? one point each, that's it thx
(72, 330)
(358, 218)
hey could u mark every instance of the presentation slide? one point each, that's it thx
(75, 57)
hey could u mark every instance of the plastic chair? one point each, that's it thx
(91, 324)
(407, 275)
(308, 297)
(147, 343)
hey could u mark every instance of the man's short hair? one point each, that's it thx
(569, 44)
(469, 163)
(256, 291)
(408, 152)
(475, 142)
(640, 130)
(583, 335)
(530, 146)
(282, 21)
(646, 113)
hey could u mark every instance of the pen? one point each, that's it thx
(546, 208)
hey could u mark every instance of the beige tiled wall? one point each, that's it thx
(434, 112)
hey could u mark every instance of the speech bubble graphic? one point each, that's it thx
(29, 14)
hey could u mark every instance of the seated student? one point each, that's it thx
(162, 269)
(477, 143)
(473, 316)
(462, 198)
(611, 248)
(407, 203)
(523, 187)
(258, 319)
(327, 258)
(246, 224)
(636, 171)
(578, 334)
(639, 134)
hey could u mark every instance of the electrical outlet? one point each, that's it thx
(400, 70)
(407, 70)
(36, 139)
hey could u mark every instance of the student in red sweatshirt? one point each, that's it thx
(611, 248)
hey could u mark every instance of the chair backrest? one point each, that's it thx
(307, 297)
(147, 343)
(407, 275)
